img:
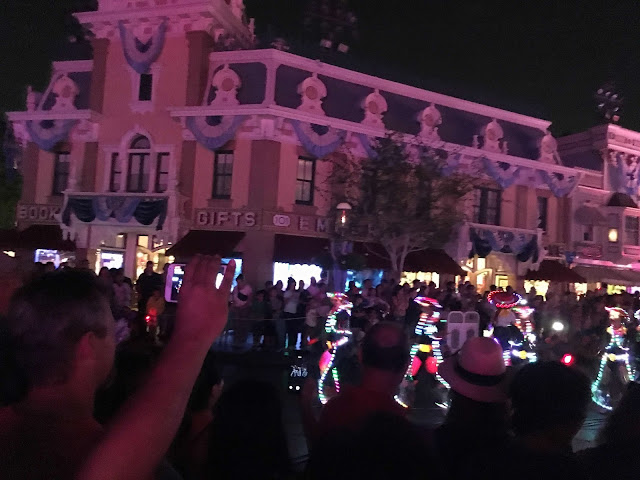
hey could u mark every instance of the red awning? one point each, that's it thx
(49, 237)
(206, 242)
(428, 260)
(9, 239)
(432, 260)
(298, 250)
(554, 271)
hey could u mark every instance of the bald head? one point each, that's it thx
(385, 347)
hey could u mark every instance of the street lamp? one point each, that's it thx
(340, 246)
(343, 208)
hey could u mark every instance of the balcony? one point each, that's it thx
(482, 240)
(131, 209)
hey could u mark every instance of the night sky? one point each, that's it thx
(543, 58)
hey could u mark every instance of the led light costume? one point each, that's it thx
(515, 344)
(426, 349)
(524, 323)
(615, 369)
(338, 335)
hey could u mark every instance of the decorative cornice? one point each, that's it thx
(274, 58)
(204, 15)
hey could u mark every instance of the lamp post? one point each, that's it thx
(340, 246)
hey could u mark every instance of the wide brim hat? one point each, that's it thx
(477, 371)
(504, 299)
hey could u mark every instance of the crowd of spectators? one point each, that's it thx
(76, 403)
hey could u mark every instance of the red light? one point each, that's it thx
(568, 359)
(416, 363)
(431, 365)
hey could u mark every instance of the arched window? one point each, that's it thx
(139, 164)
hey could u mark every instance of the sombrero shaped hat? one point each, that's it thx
(427, 302)
(477, 371)
(504, 299)
(618, 312)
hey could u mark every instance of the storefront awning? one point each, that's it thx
(206, 242)
(9, 239)
(295, 249)
(428, 260)
(49, 237)
(614, 276)
(586, 215)
(554, 271)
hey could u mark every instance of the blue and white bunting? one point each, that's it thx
(214, 134)
(318, 144)
(503, 173)
(142, 55)
(48, 133)
(559, 184)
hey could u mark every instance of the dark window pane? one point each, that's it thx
(146, 87)
(140, 143)
(222, 174)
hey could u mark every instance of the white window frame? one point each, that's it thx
(136, 105)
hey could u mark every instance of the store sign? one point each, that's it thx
(588, 250)
(206, 219)
(295, 223)
(221, 219)
(38, 213)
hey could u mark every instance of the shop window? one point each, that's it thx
(543, 209)
(60, 172)
(305, 180)
(162, 173)
(631, 230)
(222, 174)
(486, 207)
(145, 89)
(139, 165)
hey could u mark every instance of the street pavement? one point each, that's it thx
(274, 367)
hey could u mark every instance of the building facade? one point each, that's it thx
(604, 242)
(177, 137)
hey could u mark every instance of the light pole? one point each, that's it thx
(340, 245)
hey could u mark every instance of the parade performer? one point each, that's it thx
(426, 350)
(338, 335)
(514, 344)
(615, 369)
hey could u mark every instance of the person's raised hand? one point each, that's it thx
(202, 307)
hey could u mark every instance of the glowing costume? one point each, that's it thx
(615, 369)
(339, 335)
(425, 351)
(509, 331)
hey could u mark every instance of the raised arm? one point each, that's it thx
(138, 438)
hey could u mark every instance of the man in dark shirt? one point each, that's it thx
(147, 283)
(385, 356)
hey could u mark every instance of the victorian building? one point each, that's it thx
(604, 241)
(178, 137)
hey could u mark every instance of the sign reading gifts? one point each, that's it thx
(208, 219)
(38, 213)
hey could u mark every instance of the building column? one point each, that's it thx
(131, 250)
(257, 257)
(89, 166)
(30, 166)
(99, 73)
(200, 45)
(264, 174)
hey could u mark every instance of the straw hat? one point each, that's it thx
(477, 371)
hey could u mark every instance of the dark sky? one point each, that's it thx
(543, 58)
